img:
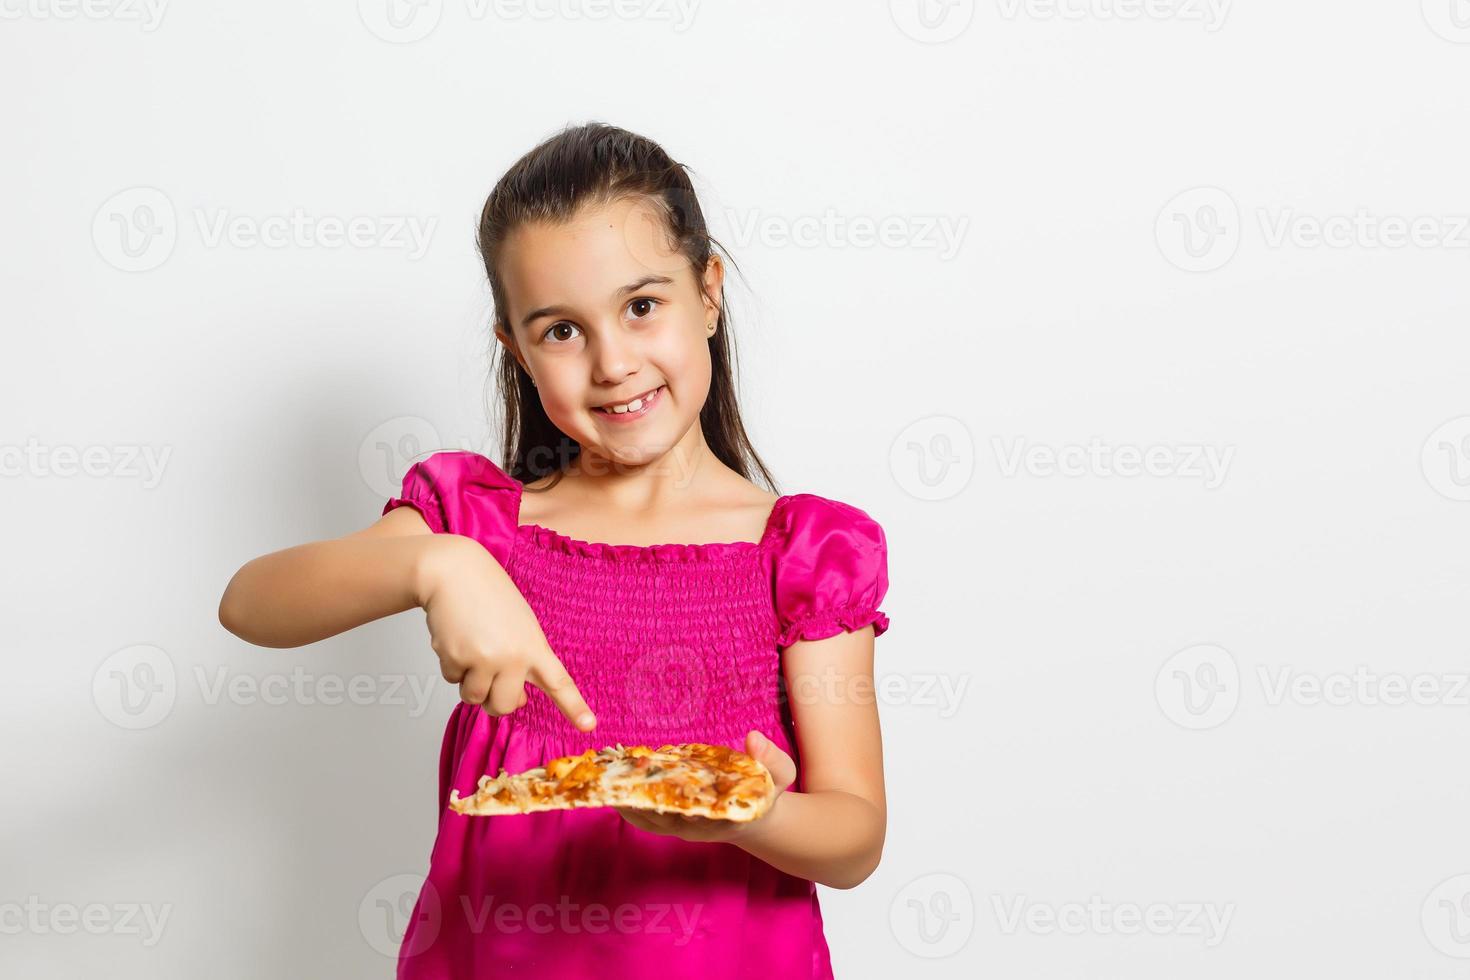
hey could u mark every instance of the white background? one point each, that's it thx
(1137, 267)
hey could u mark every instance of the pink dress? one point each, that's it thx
(668, 643)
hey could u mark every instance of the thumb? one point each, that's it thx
(770, 755)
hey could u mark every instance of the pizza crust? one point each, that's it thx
(694, 779)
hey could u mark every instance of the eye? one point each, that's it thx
(559, 325)
(647, 302)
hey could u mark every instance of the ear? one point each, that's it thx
(510, 345)
(713, 284)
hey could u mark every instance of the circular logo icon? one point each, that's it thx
(1450, 19)
(135, 230)
(401, 915)
(671, 688)
(135, 687)
(1198, 687)
(400, 21)
(1199, 230)
(1445, 917)
(933, 915)
(932, 21)
(933, 458)
(1445, 459)
(645, 229)
(386, 452)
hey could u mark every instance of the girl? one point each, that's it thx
(621, 418)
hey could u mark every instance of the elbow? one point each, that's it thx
(232, 617)
(229, 613)
(232, 614)
(236, 618)
(848, 882)
(859, 873)
(239, 624)
(862, 866)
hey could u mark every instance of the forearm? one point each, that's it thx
(312, 591)
(830, 837)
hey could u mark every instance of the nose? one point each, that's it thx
(615, 355)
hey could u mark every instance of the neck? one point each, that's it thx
(636, 482)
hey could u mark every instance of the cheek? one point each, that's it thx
(560, 384)
(689, 370)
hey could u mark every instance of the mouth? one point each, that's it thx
(633, 408)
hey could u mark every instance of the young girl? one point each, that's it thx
(756, 633)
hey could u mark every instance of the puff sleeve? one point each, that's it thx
(461, 492)
(830, 570)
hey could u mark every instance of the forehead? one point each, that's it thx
(583, 261)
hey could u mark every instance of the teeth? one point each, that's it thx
(631, 406)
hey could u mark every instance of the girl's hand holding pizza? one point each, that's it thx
(487, 637)
(758, 747)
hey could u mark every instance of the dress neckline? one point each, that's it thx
(706, 551)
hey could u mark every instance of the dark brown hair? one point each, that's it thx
(598, 164)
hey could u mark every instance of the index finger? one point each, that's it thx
(551, 676)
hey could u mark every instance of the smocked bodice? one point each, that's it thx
(667, 642)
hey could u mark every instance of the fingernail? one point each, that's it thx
(586, 720)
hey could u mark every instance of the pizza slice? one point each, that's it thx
(694, 779)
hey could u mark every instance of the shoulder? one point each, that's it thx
(460, 492)
(829, 567)
(807, 518)
(458, 467)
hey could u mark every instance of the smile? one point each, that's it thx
(634, 409)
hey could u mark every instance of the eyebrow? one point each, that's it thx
(632, 287)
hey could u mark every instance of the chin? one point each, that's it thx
(636, 451)
(635, 454)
